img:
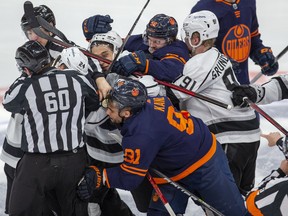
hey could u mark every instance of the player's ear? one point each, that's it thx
(126, 113)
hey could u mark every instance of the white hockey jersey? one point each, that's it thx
(211, 74)
(275, 90)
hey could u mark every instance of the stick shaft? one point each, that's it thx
(160, 194)
(266, 116)
(127, 37)
(184, 190)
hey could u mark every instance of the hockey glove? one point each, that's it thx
(96, 24)
(253, 93)
(91, 181)
(266, 60)
(125, 66)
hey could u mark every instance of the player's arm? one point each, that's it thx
(14, 96)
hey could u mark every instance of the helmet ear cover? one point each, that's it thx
(32, 55)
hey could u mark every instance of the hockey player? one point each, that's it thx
(157, 53)
(106, 45)
(156, 135)
(53, 131)
(210, 73)
(46, 13)
(239, 37)
(102, 149)
(274, 90)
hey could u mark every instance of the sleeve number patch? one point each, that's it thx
(132, 156)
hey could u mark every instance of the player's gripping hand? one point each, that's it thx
(266, 60)
(134, 62)
(96, 24)
(242, 91)
(91, 181)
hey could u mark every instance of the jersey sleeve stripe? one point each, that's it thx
(173, 56)
(255, 33)
(134, 168)
(132, 172)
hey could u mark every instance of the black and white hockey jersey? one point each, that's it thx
(274, 90)
(211, 74)
(54, 106)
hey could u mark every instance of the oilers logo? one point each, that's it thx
(237, 43)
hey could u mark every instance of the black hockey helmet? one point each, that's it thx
(128, 93)
(162, 26)
(32, 55)
(42, 11)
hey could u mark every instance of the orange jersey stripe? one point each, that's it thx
(194, 166)
(251, 206)
(255, 33)
(228, 3)
(174, 56)
(147, 66)
(134, 168)
(132, 172)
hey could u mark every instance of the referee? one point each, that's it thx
(54, 104)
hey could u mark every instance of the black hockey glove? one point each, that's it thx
(240, 92)
(91, 181)
(266, 60)
(134, 62)
(96, 24)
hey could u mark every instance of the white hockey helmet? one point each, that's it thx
(204, 22)
(110, 37)
(74, 59)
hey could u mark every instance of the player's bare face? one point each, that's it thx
(113, 113)
(156, 43)
(104, 51)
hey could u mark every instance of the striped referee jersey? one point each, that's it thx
(54, 105)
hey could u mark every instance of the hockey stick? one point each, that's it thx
(127, 37)
(188, 193)
(276, 59)
(194, 94)
(160, 194)
(266, 116)
(36, 27)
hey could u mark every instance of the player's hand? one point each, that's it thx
(272, 138)
(242, 91)
(103, 87)
(91, 181)
(96, 24)
(126, 65)
(266, 60)
(284, 166)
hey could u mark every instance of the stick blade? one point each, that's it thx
(29, 14)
